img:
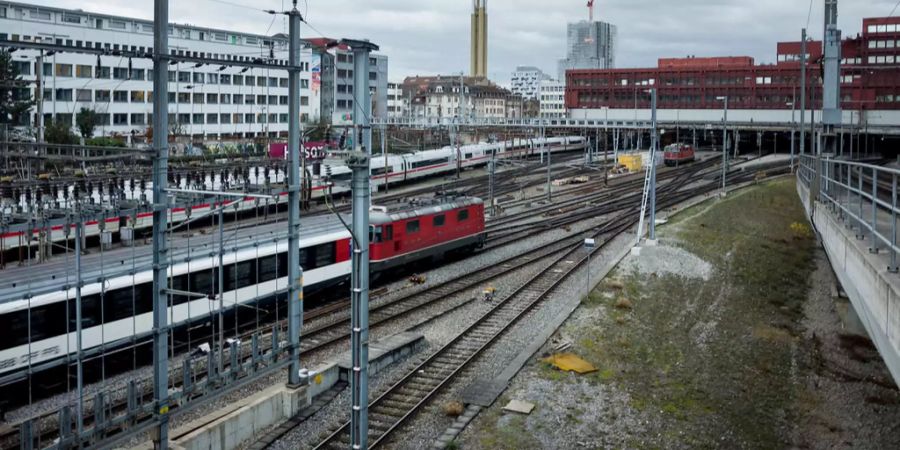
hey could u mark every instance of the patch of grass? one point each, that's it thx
(508, 432)
(684, 356)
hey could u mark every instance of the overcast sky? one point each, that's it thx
(432, 36)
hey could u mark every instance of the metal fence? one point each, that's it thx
(864, 196)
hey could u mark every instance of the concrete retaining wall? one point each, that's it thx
(873, 291)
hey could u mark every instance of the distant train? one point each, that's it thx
(37, 309)
(676, 154)
(332, 177)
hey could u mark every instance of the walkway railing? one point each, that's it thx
(864, 196)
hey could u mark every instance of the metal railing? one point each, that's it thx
(864, 196)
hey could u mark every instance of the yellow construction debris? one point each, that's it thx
(568, 362)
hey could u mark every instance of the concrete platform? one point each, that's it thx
(238, 423)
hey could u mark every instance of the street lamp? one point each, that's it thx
(724, 140)
(793, 125)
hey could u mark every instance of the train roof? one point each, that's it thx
(420, 207)
(58, 273)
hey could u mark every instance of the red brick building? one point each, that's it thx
(870, 78)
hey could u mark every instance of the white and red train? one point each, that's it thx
(333, 179)
(37, 309)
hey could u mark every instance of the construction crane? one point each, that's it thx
(590, 6)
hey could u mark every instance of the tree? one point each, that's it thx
(15, 96)
(57, 132)
(86, 120)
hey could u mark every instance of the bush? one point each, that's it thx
(105, 142)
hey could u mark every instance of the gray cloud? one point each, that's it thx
(432, 36)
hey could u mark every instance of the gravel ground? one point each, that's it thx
(813, 383)
(425, 427)
(667, 260)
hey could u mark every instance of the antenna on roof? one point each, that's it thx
(590, 6)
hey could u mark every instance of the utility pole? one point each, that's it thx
(295, 272)
(359, 275)
(802, 91)
(160, 209)
(724, 141)
(79, 231)
(549, 164)
(654, 143)
(832, 116)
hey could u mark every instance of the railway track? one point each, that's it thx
(396, 406)
(332, 331)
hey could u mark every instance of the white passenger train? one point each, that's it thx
(334, 179)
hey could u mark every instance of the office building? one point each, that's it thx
(526, 81)
(589, 45)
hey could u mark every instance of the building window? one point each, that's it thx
(249, 80)
(84, 95)
(103, 72)
(64, 70)
(184, 97)
(38, 14)
(237, 80)
(249, 118)
(225, 118)
(120, 119)
(198, 98)
(260, 99)
(237, 99)
(184, 118)
(101, 96)
(63, 95)
(120, 73)
(261, 81)
(212, 118)
(120, 97)
(224, 79)
(117, 24)
(212, 99)
(212, 78)
(82, 71)
(184, 77)
(198, 78)
(304, 101)
(137, 96)
(138, 119)
(137, 74)
(282, 118)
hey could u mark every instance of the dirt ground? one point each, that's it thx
(726, 336)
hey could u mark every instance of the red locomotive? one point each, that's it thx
(677, 154)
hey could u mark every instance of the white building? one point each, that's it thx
(553, 100)
(397, 103)
(526, 81)
(205, 101)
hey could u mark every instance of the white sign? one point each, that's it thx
(589, 243)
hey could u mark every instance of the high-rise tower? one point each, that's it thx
(479, 38)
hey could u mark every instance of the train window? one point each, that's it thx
(180, 283)
(282, 265)
(48, 321)
(382, 234)
(439, 220)
(143, 298)
(462, 215)
(412, 226)
(468, 156)
(382, 170)
(13, 329)
(90, 312)
(202, 282)
(118, 304)
(238, 275)
(266, 270)
(324, 254)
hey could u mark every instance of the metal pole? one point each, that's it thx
(802, 91)
(160, 209)
(220, 205)
(79, 231)
(549, 165)
(359, 303)
(359, 275)
(724, 145)
(295, 272)
(491, 168)
(654, 143)
(385, 154)
(793, 127)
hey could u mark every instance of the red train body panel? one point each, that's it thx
(425, 231)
